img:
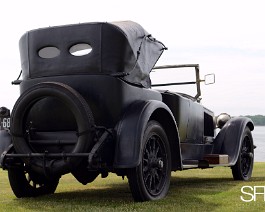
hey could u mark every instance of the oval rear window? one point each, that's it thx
(80, 49)
(49, 52)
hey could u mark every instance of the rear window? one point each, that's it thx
(49, 52)
(80, 49)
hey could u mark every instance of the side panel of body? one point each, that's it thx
(188, 115)
(180, 108)
(191, 122)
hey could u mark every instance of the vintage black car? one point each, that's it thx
(87, 107)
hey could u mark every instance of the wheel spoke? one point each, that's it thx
(146, 176)
(147, 152)
(149, 181)
(156, 151)
(145, 169)
(153, 144)
(158, 177)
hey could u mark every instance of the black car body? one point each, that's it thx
(87, 107)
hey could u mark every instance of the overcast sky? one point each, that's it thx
(225, 37)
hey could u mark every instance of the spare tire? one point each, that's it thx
(81, 112)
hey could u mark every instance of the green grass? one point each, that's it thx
(191, 190)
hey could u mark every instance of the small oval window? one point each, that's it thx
(80, 49)
(49, 52)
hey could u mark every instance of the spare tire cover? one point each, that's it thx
(76, 104)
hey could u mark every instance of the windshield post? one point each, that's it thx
(198, 82)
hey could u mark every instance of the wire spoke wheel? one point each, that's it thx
(34, 183)
(150, 180)
(242, 170)
(30, 184)
(153, 168)
(246, 156)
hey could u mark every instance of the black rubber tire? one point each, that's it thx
(76, 104)
(242, 170)
(30, 184)
(150, 180)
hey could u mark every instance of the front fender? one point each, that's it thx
(130, 132)
(229, 139)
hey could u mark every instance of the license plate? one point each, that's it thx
(4, 123)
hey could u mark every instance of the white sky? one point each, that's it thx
(225, 37)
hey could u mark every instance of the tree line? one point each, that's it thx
(259, 120)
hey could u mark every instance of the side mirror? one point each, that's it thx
(209, 79)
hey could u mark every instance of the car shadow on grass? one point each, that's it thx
(184, 194)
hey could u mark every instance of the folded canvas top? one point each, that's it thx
(121, 49)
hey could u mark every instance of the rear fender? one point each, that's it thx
(130, 132)
(229, 139)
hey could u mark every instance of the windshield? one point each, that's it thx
(185, 76)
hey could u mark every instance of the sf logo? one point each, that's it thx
(250, 193)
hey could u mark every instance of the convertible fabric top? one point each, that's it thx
(122, 49)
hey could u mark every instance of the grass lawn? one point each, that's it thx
(191, 190)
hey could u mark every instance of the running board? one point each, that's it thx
(208, 161)
(216, 159)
